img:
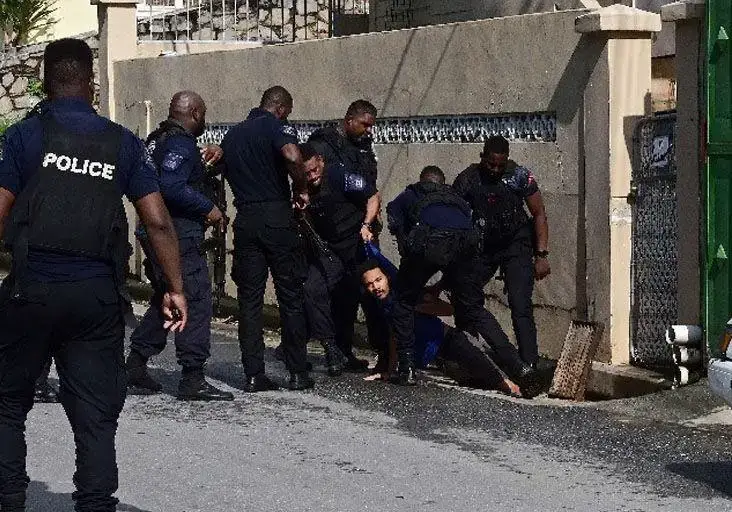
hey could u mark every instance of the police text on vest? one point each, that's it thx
(72, 164)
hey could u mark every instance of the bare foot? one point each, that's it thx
(510, 387)
(377, 376)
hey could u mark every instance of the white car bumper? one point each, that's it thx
(720, 378)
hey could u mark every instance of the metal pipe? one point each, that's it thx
(223, 17)
(282, 27)
(188, 20)
(247, 22)
(293, 13)
(148, 117)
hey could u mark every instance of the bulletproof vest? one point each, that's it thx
(498, 208)
(72, 204)
(429, 194)
(184, 226)
(335, 218)
(357, 157)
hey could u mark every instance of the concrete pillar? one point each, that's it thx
(688, 16)
(627, 32)
(117, 41)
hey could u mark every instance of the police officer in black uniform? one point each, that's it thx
(433, 228)
(350, 143)
(497, 190)
(259, 155)
(45, 392)
(62, 177)
(343, 207)
(182, 176)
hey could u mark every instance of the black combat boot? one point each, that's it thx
(194, 387)
(259, 382)
(333, 359)
(406, 371)
(12, 502)
(528, 380)
(279, 354)
(300, 381)
(138, 377)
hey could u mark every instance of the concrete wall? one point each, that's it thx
(72, 17)
(20, 67)
(460, 69)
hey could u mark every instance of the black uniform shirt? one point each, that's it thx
(254, 165)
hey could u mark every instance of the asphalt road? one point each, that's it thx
(350, 445)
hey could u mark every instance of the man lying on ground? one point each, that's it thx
(433, 338)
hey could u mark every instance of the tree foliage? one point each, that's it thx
(19, 19)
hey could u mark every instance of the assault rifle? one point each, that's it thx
(215, 187)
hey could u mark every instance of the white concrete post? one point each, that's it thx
(628, 32)
(117, 41)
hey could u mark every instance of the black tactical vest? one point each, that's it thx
(335, 218)
(184, 226)
(498, 209)
(338, 149)
(429, 194)
(73, 205)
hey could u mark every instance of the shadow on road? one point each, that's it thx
(717, 475)
(40, 499)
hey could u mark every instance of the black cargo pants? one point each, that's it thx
(193, 344)
(516, 262)
(81, 325)
(266, 239)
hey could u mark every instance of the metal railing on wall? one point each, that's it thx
(267, 21)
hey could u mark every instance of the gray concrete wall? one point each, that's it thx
(454, 69)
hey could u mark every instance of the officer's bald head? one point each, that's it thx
(68, 66)
(189, 109)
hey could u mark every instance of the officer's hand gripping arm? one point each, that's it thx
(211, 154)
(164, 241)
(372, 210)
(293, 157)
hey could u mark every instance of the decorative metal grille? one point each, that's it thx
(655, 233)
(538, 127)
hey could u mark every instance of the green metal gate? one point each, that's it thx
(718, 275)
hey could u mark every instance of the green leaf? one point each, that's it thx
(23, 18)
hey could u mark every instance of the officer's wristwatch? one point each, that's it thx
(541, 254)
